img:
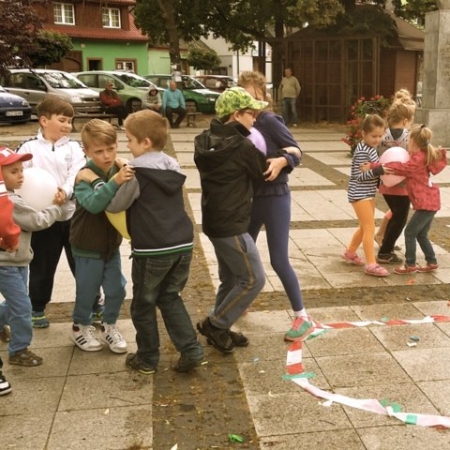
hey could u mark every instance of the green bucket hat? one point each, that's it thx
(235, 99)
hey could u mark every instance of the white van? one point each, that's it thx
(35, 84)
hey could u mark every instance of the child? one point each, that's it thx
(361, 194)
(162, 241)
(14, 265)
(54, 151)
(229, 166)
(95, 242)
(399, 119)
(424, 196)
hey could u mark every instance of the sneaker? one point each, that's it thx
(218, 338)
(5, 334)
(135, 362)
(403, 270)
(39, 320)
(112, 337)
(388, 258)
(83, 337)
(428, 268)
(301, 328)
(185, 364)
(26, 358)
(239, 340)
(5, 387)
(97, 314)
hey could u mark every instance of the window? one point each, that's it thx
(64, 13)
(111, 17)
(126, 64)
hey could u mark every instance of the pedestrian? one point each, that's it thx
(424, 195)
(229, 166)
(162, 238)
(152, 100)
(112, 103)
(16, 308)
(54, 151)
(95, 242)
(271, 204)
(399, 120)
(289, 90)
(173, 102)
(361, 194)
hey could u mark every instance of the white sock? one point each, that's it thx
(301, 313)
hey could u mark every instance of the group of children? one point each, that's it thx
(417, 189)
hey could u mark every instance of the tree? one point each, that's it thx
(51, 48)
(414, 10)
(203, 59)
(20, 25)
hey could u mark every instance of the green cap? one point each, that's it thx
(235, 99)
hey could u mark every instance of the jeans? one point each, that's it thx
(241, 276)
(417, 229)
(16, 309)
(157, 282)
(290, 110)
(90, 275)
(181, 114)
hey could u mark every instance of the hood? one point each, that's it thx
(11, 99)
(438, 166)
(168, 181)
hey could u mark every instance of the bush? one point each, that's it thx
(376, 105)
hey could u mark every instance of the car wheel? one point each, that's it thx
(133, 105)
(191, 106)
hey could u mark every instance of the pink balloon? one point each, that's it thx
(258, 140)
(393, 154)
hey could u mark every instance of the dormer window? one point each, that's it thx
(111, 17)
(64, 13)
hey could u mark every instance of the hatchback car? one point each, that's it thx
(196, 96)
(130, 88)
(13, 109)
(34, 84)
(216, 83)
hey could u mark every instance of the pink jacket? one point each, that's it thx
(424, 195)
(9, 231)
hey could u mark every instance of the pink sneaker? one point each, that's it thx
(428, 268)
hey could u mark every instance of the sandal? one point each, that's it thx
(376, 270)
(353, 258)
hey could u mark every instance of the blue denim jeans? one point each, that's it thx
(417, 229)
(90, 275)
(16, 309)
(290, 110)
(157, 282)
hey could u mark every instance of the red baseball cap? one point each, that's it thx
(7, 156)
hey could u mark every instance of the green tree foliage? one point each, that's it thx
(203, 59)
(414, 10)
(52, 47)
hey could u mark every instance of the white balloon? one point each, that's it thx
(393, 154)
(38, 189)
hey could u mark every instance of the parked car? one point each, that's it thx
(216, 83)
(196, 96)
(13, 109)
(131, 88)
(34, 84)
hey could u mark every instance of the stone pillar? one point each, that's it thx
(435, 111)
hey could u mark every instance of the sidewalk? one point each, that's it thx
(79, 400)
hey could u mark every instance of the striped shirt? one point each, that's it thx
(362, 185)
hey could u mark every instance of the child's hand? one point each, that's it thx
(275, 167)
(364, 167)
(120, 162)
(3, 246)
(126, 173)
(388, 171)
(87, 175)
(60, 197)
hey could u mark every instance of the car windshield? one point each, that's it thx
(61, 80)
(133, 80)
(2, 89)
(191, 83)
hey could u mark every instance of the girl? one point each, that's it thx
(423, 194)
(400, 116)
(361, 194)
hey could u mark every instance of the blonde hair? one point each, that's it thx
(257, 80)
(400, 111)
(98, 131)
(421, 136)
(146, 124)
(372, 121)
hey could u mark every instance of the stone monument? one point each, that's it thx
(435, 110)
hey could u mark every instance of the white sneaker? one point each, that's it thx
(111, 336)
(83, 337)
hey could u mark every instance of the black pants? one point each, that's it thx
(47, 246)
(181, 115)
(119, 110)
(399, 205)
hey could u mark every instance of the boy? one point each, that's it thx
(229, 165)
(162, 241)
(95, 242)
(14, 265)
(54, 151)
